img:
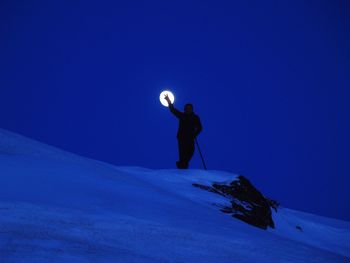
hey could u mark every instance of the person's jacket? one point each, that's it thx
(189, 124)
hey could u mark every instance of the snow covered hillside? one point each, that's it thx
(59, 207)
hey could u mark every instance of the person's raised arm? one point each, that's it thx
(173, 110)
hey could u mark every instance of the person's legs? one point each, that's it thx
(182, 152)
(186, 150)
(191, 150)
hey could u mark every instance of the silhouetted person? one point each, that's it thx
(189, 128)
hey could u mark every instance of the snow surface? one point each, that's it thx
(59, 207)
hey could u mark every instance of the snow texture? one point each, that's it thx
(59, 207)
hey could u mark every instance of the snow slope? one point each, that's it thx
(59, 207)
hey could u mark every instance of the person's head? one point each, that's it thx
(188, 109)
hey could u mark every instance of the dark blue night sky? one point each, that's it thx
(269, 79)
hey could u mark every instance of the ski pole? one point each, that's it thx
(200, 153)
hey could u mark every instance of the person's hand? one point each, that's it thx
(166, 97)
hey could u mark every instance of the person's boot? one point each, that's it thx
(185, 166)
(181, 165)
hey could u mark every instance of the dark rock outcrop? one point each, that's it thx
(247, 203)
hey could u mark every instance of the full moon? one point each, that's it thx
(162, 95)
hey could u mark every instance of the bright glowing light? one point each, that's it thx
(162, 95)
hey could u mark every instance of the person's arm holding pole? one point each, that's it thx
(198, 130)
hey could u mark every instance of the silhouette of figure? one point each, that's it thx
(189, 128)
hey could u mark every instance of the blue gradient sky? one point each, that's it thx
(269, 79)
